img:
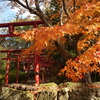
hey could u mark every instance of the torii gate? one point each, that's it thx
(13, 24)
(11, 30)
(32, 59)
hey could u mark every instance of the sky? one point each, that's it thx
(7, 14)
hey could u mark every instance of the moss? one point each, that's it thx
(96, 83)
(70, 84)
(47, 95)
(49, 84)
(12, 94)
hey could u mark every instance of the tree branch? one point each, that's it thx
(37, 5)
(64, 53)
(37, 11)
(64, 7)
(61, 16)
(33, 11)
(26, 3)
(74, 5)
(42, 16)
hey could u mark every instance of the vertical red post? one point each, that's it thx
(37, 69)
(36, 64)
(11, 29)
(7, 67)
(18, 63)
(35, 25)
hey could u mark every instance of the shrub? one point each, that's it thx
(12, 76)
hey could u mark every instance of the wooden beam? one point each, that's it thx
(9, 58)
(8, 35)
(23, 23)
(11, 50)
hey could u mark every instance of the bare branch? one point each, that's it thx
(19, 2)
(61, 16)
(74, 5)
(37, 5)
(33, 11)
(37, 11)
(42, 15)
(26, 3)
(10, 0)
(64, 7)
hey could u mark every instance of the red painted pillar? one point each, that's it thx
(17, 70)
(11, 29)
(35, 25)
(7, 67)
(37, 69)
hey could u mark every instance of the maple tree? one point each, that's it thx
(77, 30)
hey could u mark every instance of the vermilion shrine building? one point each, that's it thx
(35, 59)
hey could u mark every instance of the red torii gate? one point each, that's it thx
(34, 60)
(11, 30)
(8, 63)
(13, 24)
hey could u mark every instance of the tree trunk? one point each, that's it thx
(87, 78)
(64, 53)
